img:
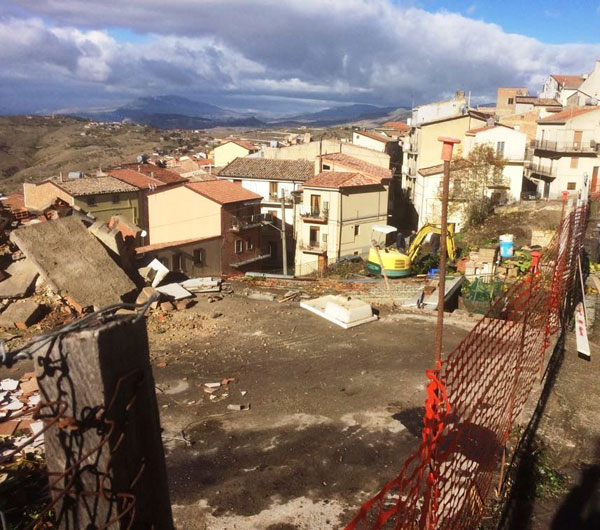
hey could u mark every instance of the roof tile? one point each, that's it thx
(336, 179)
(268, 169)
(355, 164)
(222, 191)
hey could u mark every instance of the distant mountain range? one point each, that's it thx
(176, 112)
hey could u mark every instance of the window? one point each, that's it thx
(356, 230)
(198, 256)
(249, 245)
(315, 205)
(90, 200)
(324, 238)
(500, 149)
(273, 191)
(571, 185)
(574, 162)
(511, 101)
(239, 246)
(237, 181)
(115, 199)
(326, 167)
(176, 262)
(314, 236)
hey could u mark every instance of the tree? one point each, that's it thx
(477, 183)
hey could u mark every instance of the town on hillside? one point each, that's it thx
(240, 332)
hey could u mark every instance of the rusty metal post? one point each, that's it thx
(448, 144)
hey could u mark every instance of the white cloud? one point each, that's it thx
(347, 50)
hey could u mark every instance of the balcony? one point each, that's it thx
(590, 146)
(313, 247)
(541, 170)
(239, 224)
(315, 215)
(273, 197)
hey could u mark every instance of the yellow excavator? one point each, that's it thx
(396, 263)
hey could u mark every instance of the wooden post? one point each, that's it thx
(104, 454)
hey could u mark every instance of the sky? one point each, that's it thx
(278, 56)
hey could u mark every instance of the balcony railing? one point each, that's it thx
(541, 170)
(313, 247)
(590, 146)
(315, 215)
(250, 221)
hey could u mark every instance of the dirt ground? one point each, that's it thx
(334, 412)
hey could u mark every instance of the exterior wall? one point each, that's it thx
(178, 214)
(311, 150)
(108, 204)
(429, 205)
(362, 207)
(430, 148)
(250, 238)
(438, 110)
(515, 144)
(228, 152)
(526, 122)
(505, 99)
(364, 141)
(550, 88)
(184, 255)
(40, 196)
(591, 86)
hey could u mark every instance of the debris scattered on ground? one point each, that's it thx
(21, 314)
(231, 406)
(202, 285)
(267, 297)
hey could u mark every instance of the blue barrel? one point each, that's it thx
(507, 246)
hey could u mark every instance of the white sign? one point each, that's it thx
(583, 346)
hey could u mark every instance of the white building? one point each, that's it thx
(273, 180)
(567, 149)
(508, 143)
(439, 110)
(372, 140)
(588, 91)
(561, 87)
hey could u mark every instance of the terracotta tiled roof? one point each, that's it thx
(375, 136)
(567, 114)
(159, 173)
(242, 143)
(139, 180)
(222, 191)
(569, 81)
(335, 179)
(401, 126)
(14, 202)
(538, 102)
(487, 128)
(95, 186)
(159, 246)
(206, 162)
(264, 168)
(355, 164)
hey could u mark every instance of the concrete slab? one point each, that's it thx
(21, 279)
(452, 285)
(174, 291)
(341, 310)
(73, 262)
(21, 314)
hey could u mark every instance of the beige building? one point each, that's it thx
(230, 150)
(423, 149)
(372, 140)
(506, 98)
(560, 87)
(588, 91)
(102, 197)
(336, 217)
(567, 150)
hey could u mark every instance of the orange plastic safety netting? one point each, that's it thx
(474, 396)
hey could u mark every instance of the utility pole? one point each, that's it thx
(283, 234)
(446, 157)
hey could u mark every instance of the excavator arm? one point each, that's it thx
(427, 229)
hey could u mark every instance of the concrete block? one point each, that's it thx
(20, 281)
(21, 314)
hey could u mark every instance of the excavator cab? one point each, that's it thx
(384, 255)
